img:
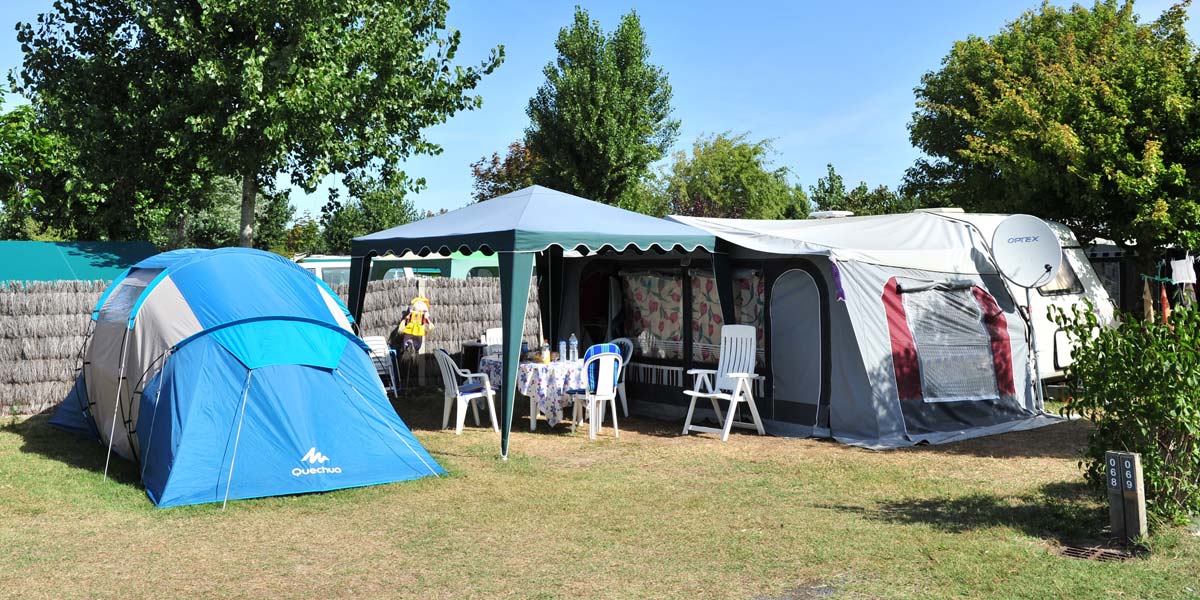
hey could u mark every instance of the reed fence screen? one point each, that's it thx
(43, 327)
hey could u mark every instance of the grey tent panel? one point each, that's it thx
(796, 339)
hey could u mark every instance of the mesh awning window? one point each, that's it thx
(120, 304)
(952, 344)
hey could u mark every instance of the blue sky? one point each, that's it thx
(827, 81)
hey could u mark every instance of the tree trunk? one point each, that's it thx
(181, 232)
(249, 193)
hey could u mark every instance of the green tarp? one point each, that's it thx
(56, 261)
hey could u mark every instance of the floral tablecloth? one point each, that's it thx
(544, 382)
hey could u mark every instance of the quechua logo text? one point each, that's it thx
(316, 462)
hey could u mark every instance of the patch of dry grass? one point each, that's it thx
(650, 515)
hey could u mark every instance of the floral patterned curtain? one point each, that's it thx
(654, 314)
(706, 313)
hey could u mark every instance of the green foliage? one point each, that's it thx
(648, 196)
(497, 176)
(374, 205)
(273, 212)
(158, 94)
(830, 194)
(1139, 383)
(215, 224)
(303, 237)
(213, 218)
(36, 175)
(603, 115)
(728, 176)
(1081, 115)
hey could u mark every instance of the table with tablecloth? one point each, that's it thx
(545, 382)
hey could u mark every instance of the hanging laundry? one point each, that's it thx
(1182, 271)
(1187, 295)
(1166, 302)
(1147, 302)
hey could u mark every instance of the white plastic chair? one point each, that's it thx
(493, 340)
(465, 394)
(602, 369)
(384, 358)
(731, 381)
(626, 346)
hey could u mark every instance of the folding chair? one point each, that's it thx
(384, 358)
(731, 382)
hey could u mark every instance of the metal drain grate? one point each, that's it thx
(1100, 554)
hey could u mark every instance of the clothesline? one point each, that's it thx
(1181, 271)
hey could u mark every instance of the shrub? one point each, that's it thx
(1139, 383)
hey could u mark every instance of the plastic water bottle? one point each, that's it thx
(524, 347)
(562, 349)
(574, 355)
(546, 351)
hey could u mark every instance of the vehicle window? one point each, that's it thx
(1066, 283)
(336, 275)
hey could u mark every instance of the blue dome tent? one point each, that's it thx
(233, 373)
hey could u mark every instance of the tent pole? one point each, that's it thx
(359, 274)
(516, 270)
(723, 274)
(112, 431)
(238, 437)
(1039, 390)
(153, 420)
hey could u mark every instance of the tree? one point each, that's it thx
(36, 175)
(246, 89)
(217, 217)
(1080, 115)
(374, 205)
(830, 193)
(728, 176)
(273, 213)
(497, 176)
(214, 220)
(602, 117)
(304, 237)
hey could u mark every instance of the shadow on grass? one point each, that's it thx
(421, 409)
(1065, 512)
(39, 438)
(1066, 440)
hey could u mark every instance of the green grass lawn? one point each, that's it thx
(650, 515)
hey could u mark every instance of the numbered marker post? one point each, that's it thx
(1126, 495)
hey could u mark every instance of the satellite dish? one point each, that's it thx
(1026, 251)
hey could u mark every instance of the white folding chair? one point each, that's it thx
(384, 358)
(602, 370)
(626, 346)
(731, 381)
(465, 394)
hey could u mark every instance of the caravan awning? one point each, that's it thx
(926, 241)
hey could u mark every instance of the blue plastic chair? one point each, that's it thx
(602, 363)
